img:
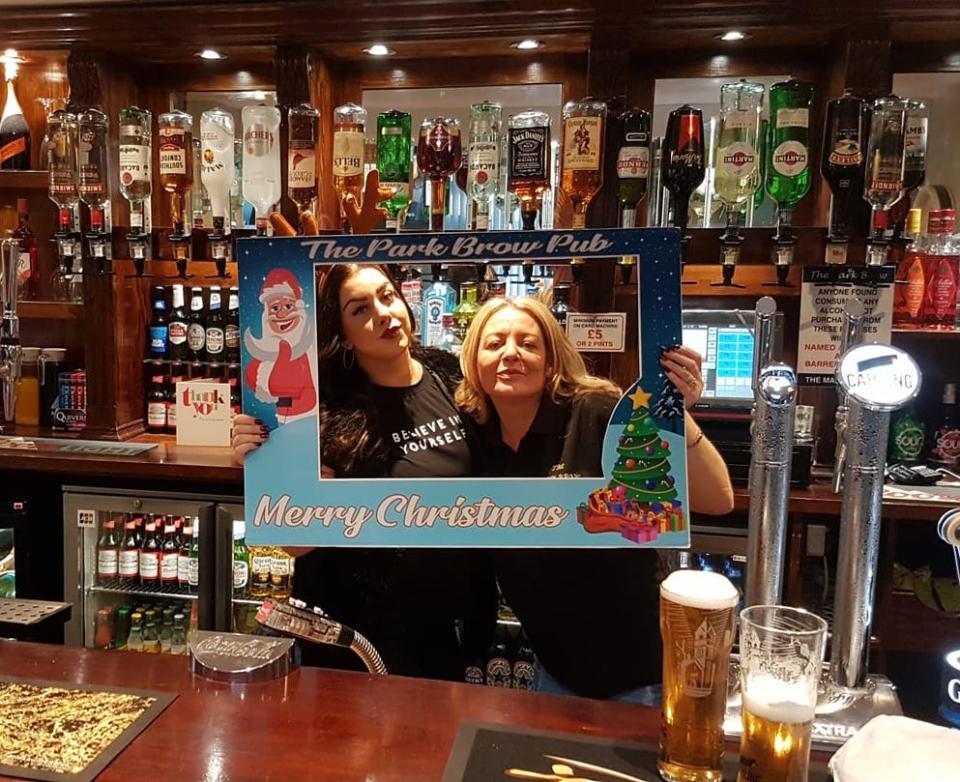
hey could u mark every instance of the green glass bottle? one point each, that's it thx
(393, 162)
(466, 310)
(906, 437)
(788, 147)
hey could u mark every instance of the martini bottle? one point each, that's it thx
(737, 169)
(788, 162)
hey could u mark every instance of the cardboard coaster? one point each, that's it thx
(487, 752)
(59, 731)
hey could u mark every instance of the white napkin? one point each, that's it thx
(899, 749)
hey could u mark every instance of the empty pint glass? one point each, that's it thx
(697, 623)
(781, 657)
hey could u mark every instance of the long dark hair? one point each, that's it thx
(340, 376)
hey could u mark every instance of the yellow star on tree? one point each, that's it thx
(640, 398)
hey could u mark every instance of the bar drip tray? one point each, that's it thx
(79, 447)
(28, 612)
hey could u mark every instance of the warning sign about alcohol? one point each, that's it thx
(597, 332)
(825, 292)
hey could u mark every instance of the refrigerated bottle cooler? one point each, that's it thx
(178, 561)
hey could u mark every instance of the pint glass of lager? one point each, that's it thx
(781, 656)
(697, 623)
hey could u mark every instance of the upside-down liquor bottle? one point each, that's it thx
(393, 163)
(883, 182)
(92, 129)
(439, 153)
(844, 139)
(303, 135)
(737, 169)
(216, 163)
(528, 176)
(349, 121)
(14, 130)
(175, 131)
(136, 183)
(584, 123)
(788, 163)
(261, 161)
(682, 163)
(483, 160)
(633, 164)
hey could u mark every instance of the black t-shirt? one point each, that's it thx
(408, 602)
(591, 615)
(426, 434)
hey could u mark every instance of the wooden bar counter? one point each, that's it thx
(316, 724)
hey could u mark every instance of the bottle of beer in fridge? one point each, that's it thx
(281, 574)
(108, 553)
(150, 557)
(169, 556)
(196, 327)
(215, 335)
(183, 558)
(260, 562)
(129, 560)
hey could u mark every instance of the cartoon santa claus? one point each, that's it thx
(282, 370)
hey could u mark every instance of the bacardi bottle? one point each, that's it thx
(175, 130)
(261, 161)
(633, 164)
(844, 139)
(788, 162)
(528, 176)
(883, 178)
(14, 131)
(135, 161)
(439, 153)
(582, 171)
(216, 166)
(682, 164)
(483, 160)
(737, 165)
(393, 163)
(303, 135)
(349, 121)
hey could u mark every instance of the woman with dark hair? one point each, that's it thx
(380, 392)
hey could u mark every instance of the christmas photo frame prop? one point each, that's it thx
(641, 500)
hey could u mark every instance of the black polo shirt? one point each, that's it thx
(591, 615)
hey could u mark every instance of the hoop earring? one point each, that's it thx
(348, 363)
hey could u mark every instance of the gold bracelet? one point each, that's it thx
(696, 441)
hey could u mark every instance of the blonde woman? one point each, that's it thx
(590, 615)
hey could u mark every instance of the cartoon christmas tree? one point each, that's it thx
(669, 406)
(643, 466)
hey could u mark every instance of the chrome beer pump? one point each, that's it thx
(10, 350)
(774, 408)
(851, 335)
(876, 380)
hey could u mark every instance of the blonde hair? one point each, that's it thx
(567, 376)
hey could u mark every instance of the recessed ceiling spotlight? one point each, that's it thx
(379, 50)
(732, 35)
(211, 54)
(527, 43)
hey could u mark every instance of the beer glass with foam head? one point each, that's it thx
(697, 624)
(781, 656)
